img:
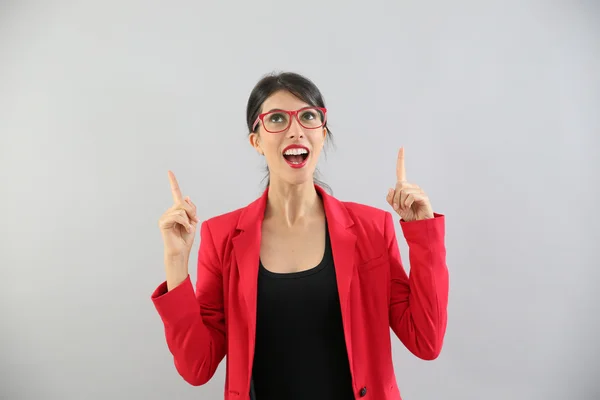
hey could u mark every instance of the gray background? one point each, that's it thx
(497, 104)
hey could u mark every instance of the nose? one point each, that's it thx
(295, 129)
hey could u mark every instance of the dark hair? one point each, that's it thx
(298, 85)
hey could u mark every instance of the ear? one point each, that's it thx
(324, 136)
(253, 138)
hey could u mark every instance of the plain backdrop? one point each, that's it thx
(497, 104)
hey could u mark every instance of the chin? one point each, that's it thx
(299, 177)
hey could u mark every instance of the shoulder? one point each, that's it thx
(225, 225)
(226, 221)
(361, 211)
(367, 216)
(372, 226)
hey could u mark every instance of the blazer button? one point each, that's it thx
(363, 392)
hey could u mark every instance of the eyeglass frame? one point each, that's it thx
(291, 114)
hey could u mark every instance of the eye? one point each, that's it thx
(277, 118)
(309, 115)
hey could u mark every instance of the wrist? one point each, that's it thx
(176, 270)
(176, 262)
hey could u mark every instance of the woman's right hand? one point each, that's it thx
(178, 226)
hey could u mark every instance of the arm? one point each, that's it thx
(418, 304)
(195, 323)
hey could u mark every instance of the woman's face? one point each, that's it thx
(292, 154)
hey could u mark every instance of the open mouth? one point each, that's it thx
(296, 156)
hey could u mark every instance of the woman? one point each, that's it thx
(298, 288)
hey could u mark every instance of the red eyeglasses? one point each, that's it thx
(276, 121)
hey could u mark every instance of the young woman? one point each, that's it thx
(298, 288)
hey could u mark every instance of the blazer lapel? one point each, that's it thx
(343, 246)
(247, 252)
(343, 243)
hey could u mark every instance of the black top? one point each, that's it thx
(300, 348)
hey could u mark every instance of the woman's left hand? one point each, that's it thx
(407, 199)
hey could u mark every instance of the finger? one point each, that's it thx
(397, 195)
(403, 189)
(183, 221)
(403, 196)
(186, 208)
(177, 198)
(407, 204)
(414, 197)
(396, 200)
(193, 211)
(400, 171)
(390, 196)
(407, 191)
(181, 217)
(175, 217)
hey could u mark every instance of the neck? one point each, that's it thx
(293, 204)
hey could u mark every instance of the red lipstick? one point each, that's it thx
(296, 155)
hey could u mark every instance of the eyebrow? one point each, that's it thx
(281, 109)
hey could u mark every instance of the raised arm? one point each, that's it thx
(418, 303)
(194, 323)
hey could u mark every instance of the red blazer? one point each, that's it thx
(375, 294)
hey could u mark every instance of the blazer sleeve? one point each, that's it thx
(418, 303)
(194, 323)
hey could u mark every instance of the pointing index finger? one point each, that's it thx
(400, 171)
(177, 197)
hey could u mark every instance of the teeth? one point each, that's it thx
(295, 152)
